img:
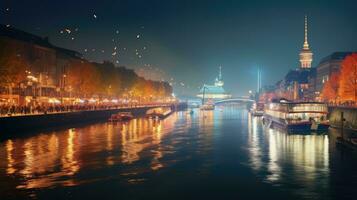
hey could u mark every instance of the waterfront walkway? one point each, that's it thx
(11, 111)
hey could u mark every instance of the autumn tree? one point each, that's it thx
(330, 90)
(348, 78)
(110, 81)
(115, 81)
(12, 65)
(148, 88)
(267, 96)
(80, 78)
(83, 77)
(138, 87)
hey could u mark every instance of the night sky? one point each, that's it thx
(189, 40)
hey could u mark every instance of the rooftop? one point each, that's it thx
(301, 75)
(336, 56)
(212, 89)
(31, 38)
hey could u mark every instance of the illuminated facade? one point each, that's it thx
(215, 91)
(327, 66)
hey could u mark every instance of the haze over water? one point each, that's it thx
(221, 154)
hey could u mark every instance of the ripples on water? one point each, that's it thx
(227, 151)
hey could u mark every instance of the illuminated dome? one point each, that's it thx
(215, 91)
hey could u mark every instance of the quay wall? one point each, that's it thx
(28, 123)
(350, 115)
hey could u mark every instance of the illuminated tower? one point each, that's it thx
(306, 54)
(219, 82)
(259, 80)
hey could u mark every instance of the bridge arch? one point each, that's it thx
(234, 100)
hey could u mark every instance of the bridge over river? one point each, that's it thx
(233, 100)
(240, 100)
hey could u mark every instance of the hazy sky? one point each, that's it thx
(189, 40)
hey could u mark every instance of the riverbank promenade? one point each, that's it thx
(13, 110)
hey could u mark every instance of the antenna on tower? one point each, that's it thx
(259, 81)
(306, 44)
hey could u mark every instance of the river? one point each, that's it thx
(221, 154)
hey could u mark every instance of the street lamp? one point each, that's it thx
(63, 87)
(32, 81)
(110, 90)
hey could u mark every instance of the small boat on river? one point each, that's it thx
(257, 109)
(207, 106)
(160, 113)
(121, 116)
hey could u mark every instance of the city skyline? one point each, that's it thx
(240, 36)
(178, 99)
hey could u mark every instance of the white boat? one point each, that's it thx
(207, 107)
(296, 116)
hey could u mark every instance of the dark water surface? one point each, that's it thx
(222, 154)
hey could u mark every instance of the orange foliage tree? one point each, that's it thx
(83, 78)
(106, 80)
(331, 87)
(267, 96)
(138, 87)
(12, 65)
(348, 78)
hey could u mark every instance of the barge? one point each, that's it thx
(296, 116)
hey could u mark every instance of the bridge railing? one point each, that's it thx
(234, 100)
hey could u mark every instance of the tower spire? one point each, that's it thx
(305, 53)
(306, 44)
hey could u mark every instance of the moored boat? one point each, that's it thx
(160, 113)
(296, 116)
(121, 116)
(257, 109)
(207, 107)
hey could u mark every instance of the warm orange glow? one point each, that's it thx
(74, 77)
(348, 79)
(48, 158)
(10, 160)
(330, 90)
(342, 87)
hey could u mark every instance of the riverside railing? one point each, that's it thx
(8, 111)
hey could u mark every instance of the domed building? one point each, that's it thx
(215, 91)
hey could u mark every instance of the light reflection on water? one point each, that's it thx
(136, 152)
(51, 159)
(279, 154)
